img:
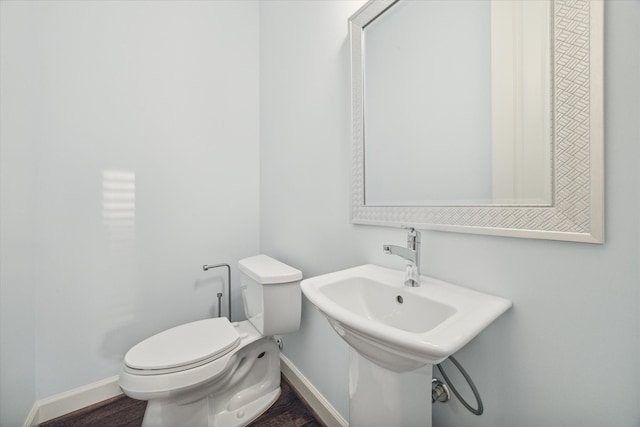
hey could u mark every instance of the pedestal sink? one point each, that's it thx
(396, 333)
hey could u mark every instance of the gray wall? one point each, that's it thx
(567, 353)
(17, 318)
(130, 157)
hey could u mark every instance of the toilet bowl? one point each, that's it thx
(213, 372)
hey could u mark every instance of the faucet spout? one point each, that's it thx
(402, 252)
(411, 253)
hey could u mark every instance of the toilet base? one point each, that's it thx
(200, 414)
(249, 387)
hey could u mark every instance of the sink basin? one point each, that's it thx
(398, 327)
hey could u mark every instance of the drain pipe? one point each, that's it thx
(209, 267)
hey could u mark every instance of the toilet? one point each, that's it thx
(213, 372)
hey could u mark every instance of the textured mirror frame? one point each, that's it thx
(577, 211)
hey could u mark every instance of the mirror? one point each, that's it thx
(479, 116)
(468, 109)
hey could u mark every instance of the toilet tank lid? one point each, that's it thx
(266, 270)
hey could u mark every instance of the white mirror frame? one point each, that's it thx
(577, 210)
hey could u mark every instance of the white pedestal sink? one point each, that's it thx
(396, 334)
(385, 398)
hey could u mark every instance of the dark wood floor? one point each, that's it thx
(121, 411)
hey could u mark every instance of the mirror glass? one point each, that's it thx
(457, 104)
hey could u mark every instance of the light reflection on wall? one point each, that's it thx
(117, 304)
(119, 204)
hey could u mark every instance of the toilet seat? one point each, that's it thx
(183, 347)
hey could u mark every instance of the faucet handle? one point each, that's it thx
(413, 235)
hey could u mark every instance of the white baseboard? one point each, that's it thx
(32, 418)
(81, 397)
(322, 408)
(72, 400)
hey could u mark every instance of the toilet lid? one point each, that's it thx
(184, 345)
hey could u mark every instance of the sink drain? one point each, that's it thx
(399, 299)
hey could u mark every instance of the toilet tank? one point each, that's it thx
(270, 294)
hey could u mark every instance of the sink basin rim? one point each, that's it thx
(473, 312)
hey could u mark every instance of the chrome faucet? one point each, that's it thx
(411, 253)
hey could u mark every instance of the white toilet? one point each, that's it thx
(212, 372)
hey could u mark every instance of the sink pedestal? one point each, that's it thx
(379, 397)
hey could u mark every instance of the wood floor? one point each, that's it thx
(121, 411)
